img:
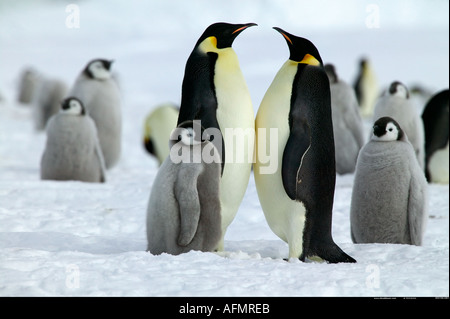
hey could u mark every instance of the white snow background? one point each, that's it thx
(83, 239)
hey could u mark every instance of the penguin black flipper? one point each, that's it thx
(198, 101)
(296, 147)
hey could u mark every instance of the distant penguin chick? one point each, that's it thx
(183, 211)
(48, 97)
(28, 82)
(395, 103)
(99, 92)
(157, 128)
(389, 197)
(348, 129)
(72, 150)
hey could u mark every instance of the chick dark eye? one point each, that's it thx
(390, 130)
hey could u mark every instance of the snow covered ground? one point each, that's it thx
(82, 239)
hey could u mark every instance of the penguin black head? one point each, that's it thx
(224, 33)
(363, 62)
(98, 69)
(301, 50)
(72, 105)
(399, 89)
(387, 129)
(331, 72)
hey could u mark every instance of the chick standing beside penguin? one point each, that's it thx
(183, 211)
(100, 95)
(389, 196)
(297, 198)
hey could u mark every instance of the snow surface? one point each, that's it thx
(81, 239)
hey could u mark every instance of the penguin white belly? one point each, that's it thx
(236, 121)
(284, 216)
(438, 166)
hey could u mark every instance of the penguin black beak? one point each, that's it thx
(65, 104)
(242, 27)
(285, 35)
(378, 130)
(148, 144)
(108, 64)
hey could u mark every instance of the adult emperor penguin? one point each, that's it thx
(389, 197)
(297, 192)
(72, 150)
(101, 97)
(348, 128)
(158, 126)
(215, 92)
(366, 87)
(396, 103)
(435, 118)
(183, 211)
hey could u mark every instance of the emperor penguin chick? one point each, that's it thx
(297, 193)
(101, 97)
(47, 101)
(348, 128)
(72, 151)
(214, 91)
(29, 80)
(389, 197)
(395, 103)
(183, 211)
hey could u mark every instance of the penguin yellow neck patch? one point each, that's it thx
(209, 44)
(309, 59)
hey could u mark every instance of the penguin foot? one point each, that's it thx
(331, 255)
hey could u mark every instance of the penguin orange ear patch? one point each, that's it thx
(309, 59)
(287, 38)
(240, 29)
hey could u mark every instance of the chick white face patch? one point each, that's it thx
(99, 71)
